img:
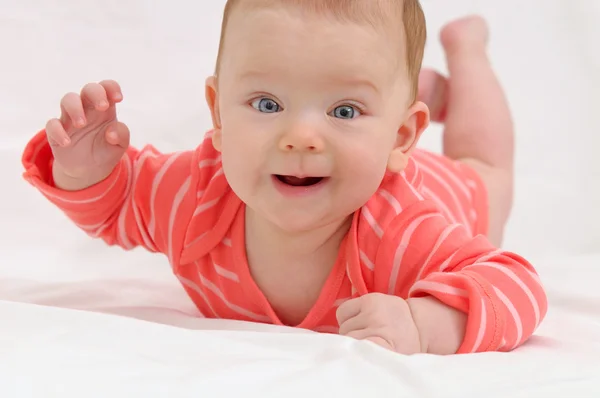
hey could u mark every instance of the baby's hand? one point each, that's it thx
(385, 320)
(87, 141)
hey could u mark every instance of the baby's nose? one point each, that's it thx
(301, 140)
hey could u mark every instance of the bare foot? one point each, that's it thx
(466, 34)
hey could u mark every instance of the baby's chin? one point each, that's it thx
(299, 221)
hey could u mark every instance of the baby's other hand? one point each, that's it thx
(382, 319)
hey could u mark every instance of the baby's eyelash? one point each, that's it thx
(266, 104)
(357, 106)
(347, 111)
(360, 108)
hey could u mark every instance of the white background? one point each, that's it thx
(546, 54)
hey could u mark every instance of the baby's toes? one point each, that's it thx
(468, 33)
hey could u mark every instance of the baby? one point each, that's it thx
(308, 204)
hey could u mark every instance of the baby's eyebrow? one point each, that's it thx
(356, 82)
(253, 74)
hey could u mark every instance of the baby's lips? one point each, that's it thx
(300, 181)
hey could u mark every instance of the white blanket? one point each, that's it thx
(80, 319)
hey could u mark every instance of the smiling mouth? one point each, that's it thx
(299, 182)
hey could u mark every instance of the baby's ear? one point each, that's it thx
(415, 122)
(212, 99)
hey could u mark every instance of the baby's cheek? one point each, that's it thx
(236, 161)
(366, 172)
(370, 160)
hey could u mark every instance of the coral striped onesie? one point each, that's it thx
(420, 234)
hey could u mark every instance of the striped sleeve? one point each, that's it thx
(146, 201)
(425, 255)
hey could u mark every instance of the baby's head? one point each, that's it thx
(313, 101)
(400, 21)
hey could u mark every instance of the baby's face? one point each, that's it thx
(309, 112)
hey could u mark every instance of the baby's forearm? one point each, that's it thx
(441, 328)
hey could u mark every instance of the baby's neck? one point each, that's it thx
(266, 241)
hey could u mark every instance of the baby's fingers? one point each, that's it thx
(93, 96)
(56, 133)
(380, 341)
(72, 111)
(118, 135)
(113, 90)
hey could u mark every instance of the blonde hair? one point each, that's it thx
(373, 12)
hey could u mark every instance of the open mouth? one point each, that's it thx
(299, 182)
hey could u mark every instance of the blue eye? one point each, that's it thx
(345, 112)
(266, 105)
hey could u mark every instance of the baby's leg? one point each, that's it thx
(478, 125)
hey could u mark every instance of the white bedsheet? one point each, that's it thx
(80, 319)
